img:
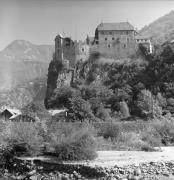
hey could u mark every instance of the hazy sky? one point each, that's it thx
(38, 21)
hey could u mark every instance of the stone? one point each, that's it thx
(121, 171)
(33, 177)
(137, 172)
(65, 177)
(32, 172)
(130, 177)
(166, 174)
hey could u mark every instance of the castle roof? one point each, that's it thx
(115, 26)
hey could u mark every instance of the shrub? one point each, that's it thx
(130, 141)
(73, 143)
(165, 130)
(23, 138)
(103, 113)
(111, 130)
(60, 97)
(151, 137)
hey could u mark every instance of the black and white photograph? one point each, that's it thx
(86, 89)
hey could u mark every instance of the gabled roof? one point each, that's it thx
(115, 26)
(12, 111)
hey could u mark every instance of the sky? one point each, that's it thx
(39, 21)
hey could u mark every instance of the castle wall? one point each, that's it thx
(65, 49)
(116, 44)
(64, 78)
(82, 51)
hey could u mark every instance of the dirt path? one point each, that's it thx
(121, 158)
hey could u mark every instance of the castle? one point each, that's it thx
(112, 40)
(118, 40)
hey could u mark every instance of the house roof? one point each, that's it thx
(12, 111)
(20, 115)
(115, 26)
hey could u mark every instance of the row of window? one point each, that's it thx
(140, 40)
(118, 39)
(115, 32)
(124, 45)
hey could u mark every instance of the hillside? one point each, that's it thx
(22, 61)
(160, 30)
(24, 93)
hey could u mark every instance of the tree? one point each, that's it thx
(80, 110)
(36, 110)
(145, 102)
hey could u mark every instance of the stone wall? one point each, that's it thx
(65, 49)
(116, 44)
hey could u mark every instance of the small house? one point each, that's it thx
(7, 113)
(22, 117)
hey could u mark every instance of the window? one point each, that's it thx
(106, 39)
(124, 45)
(113, 38)
(127, 39)
(82, 49)
(109, 45)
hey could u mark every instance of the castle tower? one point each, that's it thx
(58, 47)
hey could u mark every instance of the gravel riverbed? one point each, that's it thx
(111, 165)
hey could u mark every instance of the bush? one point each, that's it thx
(165, 130)
(23, 138)
(73, 143)
(151, 137)
(111, 130)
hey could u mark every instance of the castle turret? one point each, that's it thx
(59, 47)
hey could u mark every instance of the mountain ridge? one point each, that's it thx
(160, 30)
(22, 61)
(22, 50)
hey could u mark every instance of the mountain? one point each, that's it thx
(22, 61)
(21, 50)
(160, 30)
